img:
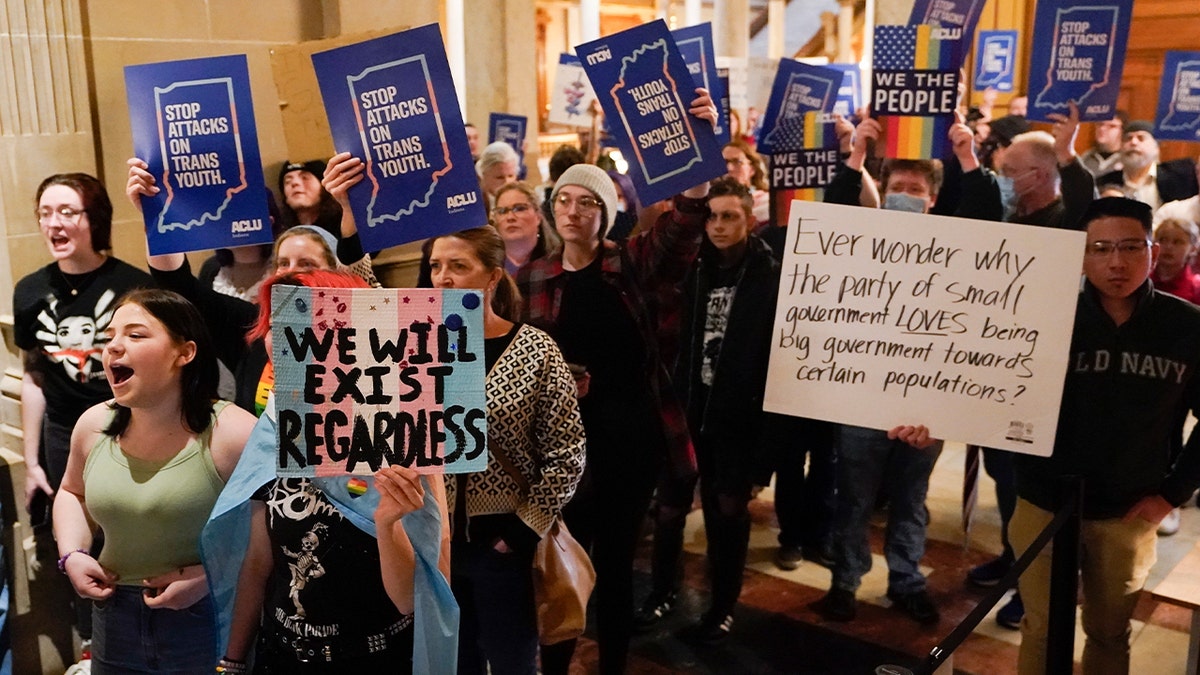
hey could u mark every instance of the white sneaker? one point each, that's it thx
(1170, 524)
(84, 667)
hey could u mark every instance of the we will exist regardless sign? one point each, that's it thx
(887, 318)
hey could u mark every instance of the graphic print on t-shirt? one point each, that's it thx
(715, 321)
(76, 341)
(295, 501)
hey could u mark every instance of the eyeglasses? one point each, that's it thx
(501, 211)
(65, 214)
(1125, 248)
(736, 162)
(583, 204)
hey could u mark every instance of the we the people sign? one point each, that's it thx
(366, 378)
(887, 318)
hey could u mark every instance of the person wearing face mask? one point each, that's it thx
(1142, 176)
(908, 185)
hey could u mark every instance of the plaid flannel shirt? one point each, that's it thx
(649, 271)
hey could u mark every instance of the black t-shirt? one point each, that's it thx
(595, 329)
(61, 318)
(326, 583)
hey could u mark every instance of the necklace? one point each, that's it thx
(84, 280)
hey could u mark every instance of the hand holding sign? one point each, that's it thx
(342, 172)
(866, 135)
(703, 107)
(1066, 127)
(141, 182)
(915, 436)
(962, 139)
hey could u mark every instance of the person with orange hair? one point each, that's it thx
(311, 543)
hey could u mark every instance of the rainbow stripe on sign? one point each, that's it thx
(916, 50)
(814, 137)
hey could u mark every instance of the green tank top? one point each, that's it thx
(151, 512)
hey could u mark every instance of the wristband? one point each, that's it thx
(228, 665)
(62, 562)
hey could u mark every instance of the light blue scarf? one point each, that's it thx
(226, 537)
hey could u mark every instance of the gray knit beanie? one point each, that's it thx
(595, 179)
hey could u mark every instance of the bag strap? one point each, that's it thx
(510, 469)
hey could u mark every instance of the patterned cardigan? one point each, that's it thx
(648, 271)
(534, 416)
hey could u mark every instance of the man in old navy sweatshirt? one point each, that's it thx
(1132, 370)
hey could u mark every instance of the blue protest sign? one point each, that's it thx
(509, 129)
(1077, 54)
(193, 124)
(954, 20)
(696, 46)
(391, 102)
(995, 60)
(645, 89)
(1178, 115)
(798, 88)
(849, 98)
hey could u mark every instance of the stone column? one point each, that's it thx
(776, 27)
(845, 31)
(731, 27)
(589, 20)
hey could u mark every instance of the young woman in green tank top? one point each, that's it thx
(147, 468)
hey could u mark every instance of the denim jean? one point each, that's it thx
(865, 459)
(129, 637)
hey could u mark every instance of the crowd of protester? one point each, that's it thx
(626, 349)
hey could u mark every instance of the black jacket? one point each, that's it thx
(730, 417)
(1125, 388)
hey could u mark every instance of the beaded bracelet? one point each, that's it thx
(62, 562)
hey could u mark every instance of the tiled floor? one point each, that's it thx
(776, 631)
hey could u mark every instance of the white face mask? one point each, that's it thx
(1008, 195)
(899, 201)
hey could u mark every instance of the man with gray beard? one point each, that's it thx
(1142, 176)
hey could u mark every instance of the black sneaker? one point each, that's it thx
(837, 605)
(712, 630)
(788, 558)
(917, 605)
(1009, 616)
(655, 609)
(990, 573)
(819, 555)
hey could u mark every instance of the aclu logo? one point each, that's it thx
(947, 33)
(460, 200)
(596, 57)
(243, 226)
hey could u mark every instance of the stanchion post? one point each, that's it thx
(1064, 583)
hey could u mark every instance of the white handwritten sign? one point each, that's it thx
(887, 318)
